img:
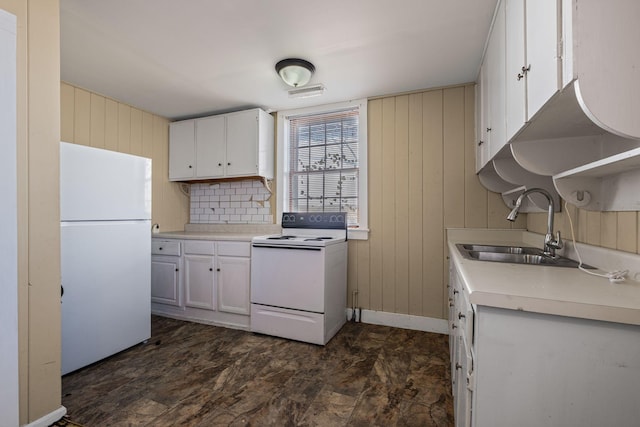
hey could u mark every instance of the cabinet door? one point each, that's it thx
(515, 59)
(234, 284)
(464, 390)
(482, 119)
(543, 77)
(242, 143)
(210, 147)
(199, 282)
(495, 59)
(165, 280)
(182, 150)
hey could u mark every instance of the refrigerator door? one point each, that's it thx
(106, 276)
(99, 184)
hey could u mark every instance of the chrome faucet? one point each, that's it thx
(550, 244)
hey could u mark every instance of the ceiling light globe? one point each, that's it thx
(295, 72)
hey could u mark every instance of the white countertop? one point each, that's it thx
(236, 232)
(550, 290)
(203, 235)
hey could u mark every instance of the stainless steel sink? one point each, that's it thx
(514, 255)
(502, 249)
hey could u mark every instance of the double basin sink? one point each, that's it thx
(514, 255)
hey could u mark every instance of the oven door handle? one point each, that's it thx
(310, 248)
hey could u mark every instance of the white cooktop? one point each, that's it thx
(303, 237)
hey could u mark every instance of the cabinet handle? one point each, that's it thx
(461, 316)
(217, 269)
(159, 249)
(453, 326)
(177, 269)
(219, 164)
(190, 167)
(525, 70)
(455, 291)
(211, 269)
(228, 164)
(458, 366)
(451, 304)
(480, 143)
(488, 129)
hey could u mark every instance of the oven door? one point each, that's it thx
(288, 277)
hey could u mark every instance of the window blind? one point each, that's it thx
(323, 169)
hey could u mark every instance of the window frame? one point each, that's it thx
(282, 169)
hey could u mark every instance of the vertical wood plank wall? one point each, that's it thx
(614, 230)
(421, 180)
(38, 228)
(94, 120)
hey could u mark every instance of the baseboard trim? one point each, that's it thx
(49, 419)
(404, 321)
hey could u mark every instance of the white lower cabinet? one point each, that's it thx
(206, 281)
(234, 284)
(518, 368)
(165, 279)
(199, 281)
(166, 272)
(461, 334)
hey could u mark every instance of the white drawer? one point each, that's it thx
(165, 247)
(200, 247)
(286, 323)
(234, 248)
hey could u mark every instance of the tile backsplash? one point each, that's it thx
(237, 202)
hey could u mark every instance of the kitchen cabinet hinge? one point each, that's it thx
(560, 48)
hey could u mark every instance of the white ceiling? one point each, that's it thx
(190, 58)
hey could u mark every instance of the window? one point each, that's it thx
(322, 162)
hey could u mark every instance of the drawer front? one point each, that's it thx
(165, 247)
(200, 247)
(286, 323)
(234, 248)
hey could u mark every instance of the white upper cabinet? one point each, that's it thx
(572, 96)
(495, 67)
(533, 61)
(482, 110)
(607, 63)
(542, 69)
(227, 145)
(242, 151)
(182, 150)
(516, 96)
(210, 146)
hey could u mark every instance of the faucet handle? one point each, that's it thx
(558, 242)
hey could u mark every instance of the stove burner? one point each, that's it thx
(281, 238)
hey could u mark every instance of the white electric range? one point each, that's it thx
(299, 278)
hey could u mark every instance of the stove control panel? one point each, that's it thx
(319, 220)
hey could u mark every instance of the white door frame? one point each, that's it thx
(9, 392)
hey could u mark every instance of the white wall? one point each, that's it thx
(9, 392)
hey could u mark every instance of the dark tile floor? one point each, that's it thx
(190, 374)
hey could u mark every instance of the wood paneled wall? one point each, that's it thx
(421, 180)
(91, 119)
(614, 230)
(38, 228)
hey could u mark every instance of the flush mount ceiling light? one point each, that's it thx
(295, 72)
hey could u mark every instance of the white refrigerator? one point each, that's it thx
(105, 232)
